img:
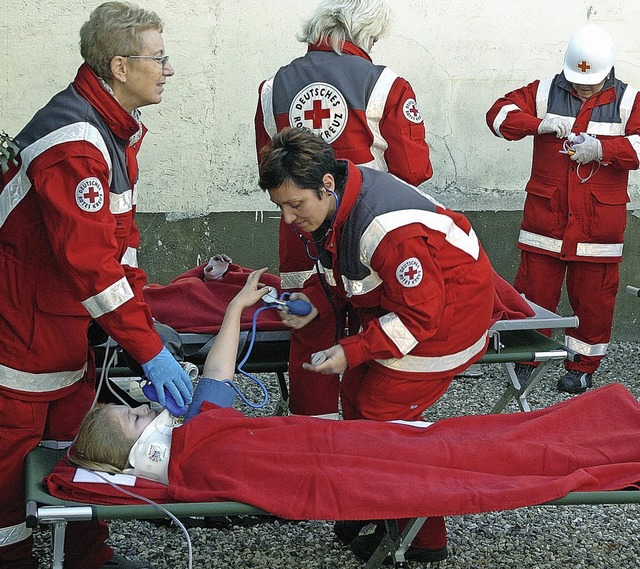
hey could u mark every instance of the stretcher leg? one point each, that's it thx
(517, 391)
(395, 543)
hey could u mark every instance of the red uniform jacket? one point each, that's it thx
(68, 240)
(414, 271)
(564, 216)
(366, 112)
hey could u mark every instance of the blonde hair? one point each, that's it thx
(114, 29)
(359, 21)
(101, 443)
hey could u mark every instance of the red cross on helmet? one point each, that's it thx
(590, 55)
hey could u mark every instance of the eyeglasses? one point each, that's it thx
(162, 60)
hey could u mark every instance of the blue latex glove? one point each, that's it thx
(167, 375)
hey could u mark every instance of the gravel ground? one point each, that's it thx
(580, 537)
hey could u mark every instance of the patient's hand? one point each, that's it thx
(252, 291)
(217, 267)
(334, 361)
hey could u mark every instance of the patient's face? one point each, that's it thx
(132, 421)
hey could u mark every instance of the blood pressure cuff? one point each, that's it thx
(213, 391)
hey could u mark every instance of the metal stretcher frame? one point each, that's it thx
(519, 340)
(42, 508)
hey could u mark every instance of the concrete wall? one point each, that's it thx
(198, 160)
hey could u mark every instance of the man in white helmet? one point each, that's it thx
(585, 125)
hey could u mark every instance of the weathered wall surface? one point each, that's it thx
(198, 160)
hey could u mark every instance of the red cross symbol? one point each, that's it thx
(410, 273)
(92, 195)
(414, 110)
(583, 66)
(317, 114)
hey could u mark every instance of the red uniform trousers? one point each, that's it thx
(23, 424)
(311, 393)
(369, 392)
(591, 289)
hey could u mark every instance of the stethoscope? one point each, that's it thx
(307, 242)
(316, 260)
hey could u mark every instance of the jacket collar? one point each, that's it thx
(119, 121)
(347, 49)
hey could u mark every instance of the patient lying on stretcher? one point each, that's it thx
(117, 438)
(301, 467)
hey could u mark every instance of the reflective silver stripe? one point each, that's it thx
(20, 184)
(13, 192)
(433, 364)
(585, 349)
(266, 100)
(130, 257)
(540, 241)
(397, 332)
(383, 224)
(329, 276)
(374, 113)
(542, 97)
(571, 120)
(501, 116)
(616, 129)
(295, 279)
(599, 249)
(38, 382)
(109, 299)
(121, 203)
(14, 534)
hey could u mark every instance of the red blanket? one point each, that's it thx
(305, 468)
(189, 304)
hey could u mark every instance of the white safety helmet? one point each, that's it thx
(590, 55)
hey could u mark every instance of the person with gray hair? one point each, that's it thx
(68, 244)
(369, 115)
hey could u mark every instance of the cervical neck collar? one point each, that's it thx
(149, 455)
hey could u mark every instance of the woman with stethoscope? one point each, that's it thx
(414, 271)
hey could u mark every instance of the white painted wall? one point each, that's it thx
(199, 155)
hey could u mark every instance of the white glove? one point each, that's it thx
(217, 267)
(560, 126)
(587, 151)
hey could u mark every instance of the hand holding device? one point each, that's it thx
(298, 307)
(169, 380)
(587, 150)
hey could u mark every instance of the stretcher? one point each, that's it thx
(42, 508)
(511, 341)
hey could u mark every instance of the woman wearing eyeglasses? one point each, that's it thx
(68, 256)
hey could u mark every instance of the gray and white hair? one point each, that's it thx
(360, 22)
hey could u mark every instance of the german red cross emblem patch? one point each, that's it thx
(409, 273)
(411, 111)
(321, 108)
(90, 195)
